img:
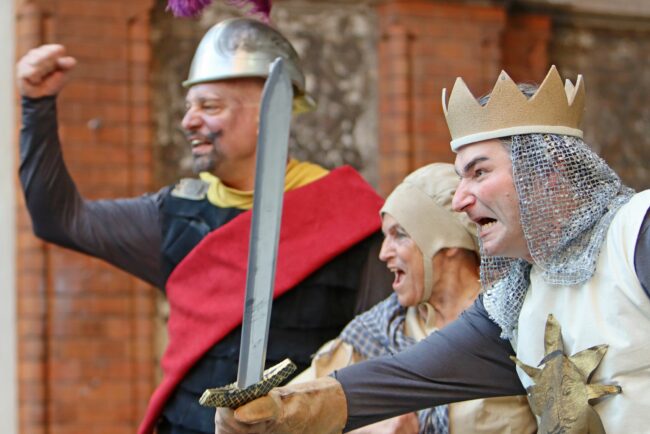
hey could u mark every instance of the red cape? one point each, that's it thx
(206, 290)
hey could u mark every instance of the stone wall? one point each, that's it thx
(612, 54)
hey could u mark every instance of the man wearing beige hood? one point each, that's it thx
(433, 253)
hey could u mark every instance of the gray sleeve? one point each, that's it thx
(124, 232)
(642, 254)
(465, 360)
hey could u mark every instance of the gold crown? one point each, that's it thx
(553, 109)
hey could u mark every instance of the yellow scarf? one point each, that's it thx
(299, 173)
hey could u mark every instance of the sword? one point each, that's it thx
(270, 168)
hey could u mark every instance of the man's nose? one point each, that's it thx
(462, 198)
(386, 250)
(191, 120)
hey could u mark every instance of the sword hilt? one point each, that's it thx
(231, 396)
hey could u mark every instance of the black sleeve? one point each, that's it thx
(124, 232)
(642, 254)
(465, 360)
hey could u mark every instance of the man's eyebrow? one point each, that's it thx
(203, 99)
(469, 166)
(394, 226)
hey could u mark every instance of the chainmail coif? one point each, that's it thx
(568, 197)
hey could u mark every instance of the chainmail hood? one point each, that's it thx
(568, 197)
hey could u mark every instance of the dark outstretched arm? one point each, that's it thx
(465, 360)
(124, 232)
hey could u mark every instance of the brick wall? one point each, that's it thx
(525, 46)
(423, 47)
(84, 329)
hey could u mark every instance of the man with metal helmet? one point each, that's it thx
(191, 239)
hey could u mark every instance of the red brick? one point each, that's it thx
(92, 9)
(139, 30)
(30, 349)
(526, 47)
(26, 240)
(84, 348)
(140, 52)
(113, 30)
(31, 370)
(31, 306)
(29, 284)
(31, 327)
(31, 416)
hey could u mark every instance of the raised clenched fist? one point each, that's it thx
(42, 71)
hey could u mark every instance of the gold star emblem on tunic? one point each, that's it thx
(561, 395)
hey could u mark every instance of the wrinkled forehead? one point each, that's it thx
(493, 152)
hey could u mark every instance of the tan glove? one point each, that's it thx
(314, 407)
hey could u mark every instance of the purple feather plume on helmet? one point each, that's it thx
(192, 8)
(187, 8)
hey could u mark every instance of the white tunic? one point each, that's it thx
(610, 308)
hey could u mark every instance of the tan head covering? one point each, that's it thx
(421, 204)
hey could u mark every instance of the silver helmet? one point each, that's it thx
(244, 47)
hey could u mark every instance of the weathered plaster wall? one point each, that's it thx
(612, 54)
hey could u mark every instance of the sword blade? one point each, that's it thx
(270, 168)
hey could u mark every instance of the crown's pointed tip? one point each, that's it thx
(444, 100)
(575, 91)
(552, 75)
(461, 100)
(569, 89)
(460, 86)
(553, 87)
(568, 84)
(580, 83)
(503, 75)
(505, 93)
(459, 82)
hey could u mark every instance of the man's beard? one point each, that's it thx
(207, 162)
